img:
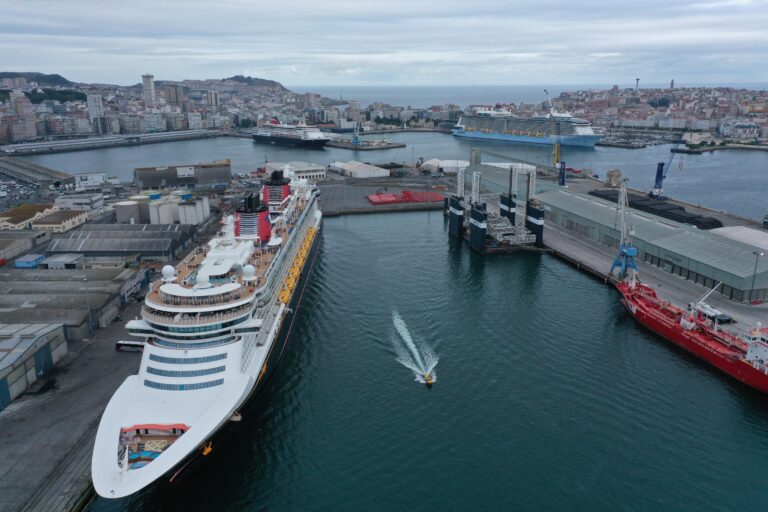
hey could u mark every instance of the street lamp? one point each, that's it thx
(88, 302)
(754, 274)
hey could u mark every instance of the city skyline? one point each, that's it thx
(356, 44)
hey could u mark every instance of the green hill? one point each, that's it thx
(40, 78)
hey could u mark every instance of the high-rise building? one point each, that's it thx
(174, 95)
(212, 99)
(148, 81)
(25, 127)
(95, 106)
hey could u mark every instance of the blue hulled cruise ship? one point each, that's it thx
(540, 129)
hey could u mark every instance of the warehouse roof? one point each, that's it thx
(17, 338)
(121, 245)
(138, 227)
(60, 216)
(24, 212)
(705, 246)
(744, 234)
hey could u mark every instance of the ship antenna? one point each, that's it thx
(625, 259)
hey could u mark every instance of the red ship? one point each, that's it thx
(743, 357)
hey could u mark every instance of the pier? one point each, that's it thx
(60, 146)
(28, 172)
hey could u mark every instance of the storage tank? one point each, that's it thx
(188, 214)
(143, 201)
(154, 212)
(167, 213)
(207, 208)
(199, 211)
(127, 212)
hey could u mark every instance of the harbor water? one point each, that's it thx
(549, 396)
(732, 180)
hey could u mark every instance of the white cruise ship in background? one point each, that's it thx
(215, 327)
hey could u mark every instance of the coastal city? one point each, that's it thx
(347, 260)
(38, 107)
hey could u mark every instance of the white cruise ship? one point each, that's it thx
(215, 327)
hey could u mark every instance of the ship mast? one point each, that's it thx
(625, 259)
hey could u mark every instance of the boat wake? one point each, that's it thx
(419, 358)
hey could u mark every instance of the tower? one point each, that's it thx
(148, 81)
(637, 84)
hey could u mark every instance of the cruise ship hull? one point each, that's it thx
(273, 360)
(728, 361)
(288, 141)
(248, 398)
(588, 141)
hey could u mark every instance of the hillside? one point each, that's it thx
(259, 82)
(40, 78)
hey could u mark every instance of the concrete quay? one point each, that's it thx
(48, 435)
(344, 198)
(596, 260)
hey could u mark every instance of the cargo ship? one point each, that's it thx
(546, 129)
(215, 327)
(694, 329)
(290, 135)
(744, 357)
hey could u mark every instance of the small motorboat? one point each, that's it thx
(428, 380)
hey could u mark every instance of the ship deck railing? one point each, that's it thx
(268, 293)
(193, 319)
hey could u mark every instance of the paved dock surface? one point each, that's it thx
(341, 198)
(47, 438)
(596, 259)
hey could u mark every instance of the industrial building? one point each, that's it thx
(178, 207)
(82, 299)
(85, 202)
(63, 261)
(118, 243)
(736, 258)
(355, 169)
(13, 242)
(22, 216)
(27, 353)
(61, 221)
(210, 175)
(301, 170)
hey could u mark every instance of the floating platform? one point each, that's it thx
(406, 196)
(364, 145)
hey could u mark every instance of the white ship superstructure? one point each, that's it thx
(214, 327)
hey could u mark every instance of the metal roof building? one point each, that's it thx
(703, 256)
(159, 242)
(27, 352)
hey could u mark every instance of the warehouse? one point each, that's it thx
(302, 170)
(210, 175)
(13, 242)
(27, 353)
(61, 221)
(355, 169)
(82, 299)
(103, 242)
(705, 257)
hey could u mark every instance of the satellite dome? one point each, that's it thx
(169, 273)
(249, 273)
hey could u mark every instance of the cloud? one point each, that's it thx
(302, 42)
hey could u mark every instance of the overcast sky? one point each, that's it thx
(398, 42)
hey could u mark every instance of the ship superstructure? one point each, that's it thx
(215, 326)
(548, 129)
(291, 135)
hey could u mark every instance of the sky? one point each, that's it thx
(392, 42)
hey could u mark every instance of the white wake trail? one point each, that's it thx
(420, 359)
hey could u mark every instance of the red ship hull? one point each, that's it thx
(721, 350)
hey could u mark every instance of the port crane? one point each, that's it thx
(657, 192)
(625, 258)
(555, 130)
